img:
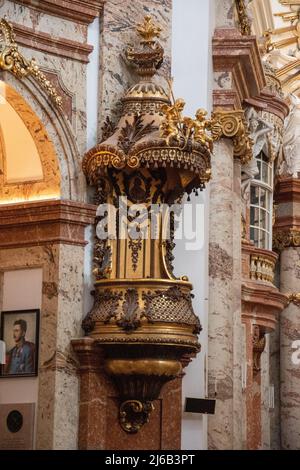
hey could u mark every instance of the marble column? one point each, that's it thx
(224, 324)
(290, 332)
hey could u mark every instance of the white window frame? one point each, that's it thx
(268, 187)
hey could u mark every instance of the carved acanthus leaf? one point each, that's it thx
(133, 132)
(233, 125)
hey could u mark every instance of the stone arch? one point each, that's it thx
(52, 133)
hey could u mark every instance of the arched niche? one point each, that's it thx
(30, 168)
(54, 141)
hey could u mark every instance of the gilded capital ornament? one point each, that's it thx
(294, 298)
(233, 125)
(13, 61)
(285, 239)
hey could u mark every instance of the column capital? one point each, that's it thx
(233, 125)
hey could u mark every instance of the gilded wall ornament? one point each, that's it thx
(135, 246)
(244, 20)
(13, 61)
(285, 238)
(134, 414)
(233, 125)
(294, 298)
(102, 259)
(259, 343)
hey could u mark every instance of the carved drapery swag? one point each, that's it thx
(13, 61)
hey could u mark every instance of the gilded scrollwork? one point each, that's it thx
(135, 246)
(294, 298)
(258, 345)
(233, 125)
(285, 239)
(13, 61)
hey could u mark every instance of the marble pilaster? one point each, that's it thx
(62, 260)
(224, 325)
(289, 371)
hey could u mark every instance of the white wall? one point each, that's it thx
(22, 290)
(192, 71)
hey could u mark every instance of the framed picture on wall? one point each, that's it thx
(20, 332)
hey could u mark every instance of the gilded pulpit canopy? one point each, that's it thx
(143, 316)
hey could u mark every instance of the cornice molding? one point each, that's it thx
(262, 304)
(79, 11)
(287, 190)
(240, 56)
(53, 45)
(267, 101)
(44, 222)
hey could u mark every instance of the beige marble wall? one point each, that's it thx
(61, 314)
(117, 30)
(225, 13)
(289, 372)
(224, 324)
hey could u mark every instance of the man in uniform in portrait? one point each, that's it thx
(20, 359)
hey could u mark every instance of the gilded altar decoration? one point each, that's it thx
(244, 20)
(233, 125)
(143, 318)
(13, 61)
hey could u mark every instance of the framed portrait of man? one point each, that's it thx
(20, 333)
